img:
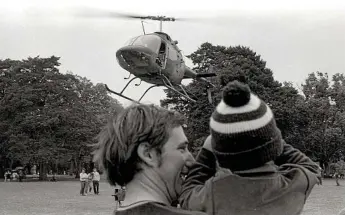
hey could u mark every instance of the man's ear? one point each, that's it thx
(147, 155)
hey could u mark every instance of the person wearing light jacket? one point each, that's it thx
(83, 179)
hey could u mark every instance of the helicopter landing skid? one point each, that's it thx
(168, 85)
(125, 97)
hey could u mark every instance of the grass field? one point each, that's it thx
(53, 198)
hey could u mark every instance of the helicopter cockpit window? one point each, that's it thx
(161, 60)
(130, 41)
(152, 42)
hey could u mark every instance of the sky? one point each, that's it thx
(294, 37)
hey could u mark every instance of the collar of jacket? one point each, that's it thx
(268, 168)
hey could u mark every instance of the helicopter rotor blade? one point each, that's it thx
(99, 13)
(102, 13)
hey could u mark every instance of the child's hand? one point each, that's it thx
(207, 144)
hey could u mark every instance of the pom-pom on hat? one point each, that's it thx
(243, 129)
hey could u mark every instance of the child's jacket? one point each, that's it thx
(279, 188)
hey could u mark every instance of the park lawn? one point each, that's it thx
(53, 198)
(327, 199)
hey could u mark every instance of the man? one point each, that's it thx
(145, 149)
(95, 180)
(83, 178)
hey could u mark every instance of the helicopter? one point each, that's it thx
(155, 59)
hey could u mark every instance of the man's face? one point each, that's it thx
(83, 171)
(174, 158)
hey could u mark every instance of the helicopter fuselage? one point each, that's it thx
(151, 56)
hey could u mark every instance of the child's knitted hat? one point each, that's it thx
(243, 128)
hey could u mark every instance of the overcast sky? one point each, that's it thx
(294, 38)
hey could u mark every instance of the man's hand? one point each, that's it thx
(207, 144)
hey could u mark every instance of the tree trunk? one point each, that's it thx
(2, 171)
(327, 168)
(91, 164)
(43, 171)
(71, 168)
(77, 164)
(56, 168)
(11, 164)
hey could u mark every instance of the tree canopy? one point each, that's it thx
(47, 116)
(322, 110)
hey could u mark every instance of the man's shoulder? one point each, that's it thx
(153, 208)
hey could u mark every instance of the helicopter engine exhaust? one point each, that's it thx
(138, 60)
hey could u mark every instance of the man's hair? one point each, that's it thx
(116, 150)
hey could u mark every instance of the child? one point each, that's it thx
(258, 174)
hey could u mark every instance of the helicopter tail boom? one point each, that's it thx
(205, 75)
(189, 73)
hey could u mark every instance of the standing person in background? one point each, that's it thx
(320, 176)
(21, 175)
(83, 178)
(7, 175)
(88, 186)
(337, 176)
(95, 180)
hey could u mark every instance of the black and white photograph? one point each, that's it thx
(148, 107)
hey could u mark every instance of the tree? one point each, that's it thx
(231, 63)
(47, 117)
(324, 117)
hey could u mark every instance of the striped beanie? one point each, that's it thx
(243, 129)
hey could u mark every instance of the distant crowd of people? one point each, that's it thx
(14, 176)
(89, 181)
